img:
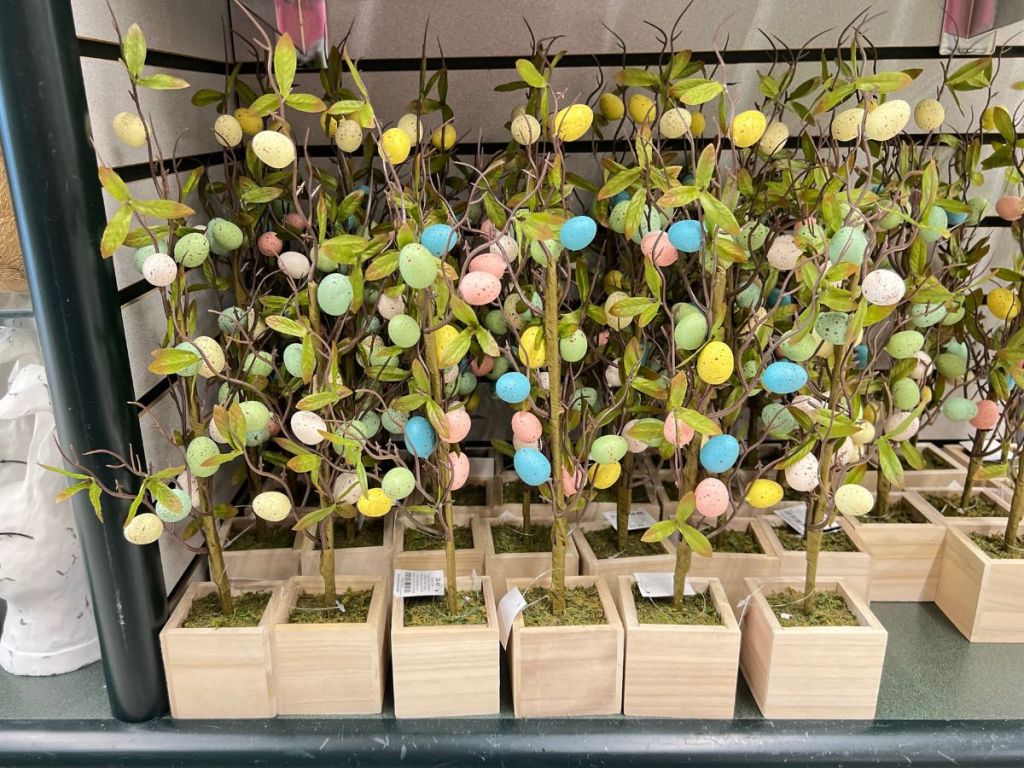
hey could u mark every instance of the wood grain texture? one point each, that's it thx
(995, 496)
(272, 564)
(814, 673)
(567, 671)
(351, 561)
(468, 562)
(609, 569)
(679, 670)
(220, 673)
(732, 569)
(446, 671)
(517, 565)
(330, 669)
(12, 267)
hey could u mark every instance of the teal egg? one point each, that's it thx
(750, 294)
(778, 420)
(403, 331)
(513, 387)
(831, 326)
(192, 249)
(420, 437)
(936, 219)
(398, 483)
(293, 359)
(583, 395)
(957, 348)
(371, 423)
(906, 394)
(466, 384)
(783, 377)
(799, 351)
(848, 245)
(439, 239)
(257, 437)
(417, 265)
(185, 506)
(233, 319)
(143, 253)
(691, 329)
(335, 294)
(501, 366)
(905, 344)
(608, 449)
(198, 451)
(959, 409)
(719, 453)
(323, 262)
(578, 232)
(927, 315)
(532, 466)
(951, 366)
(393, 420)
(573, 347)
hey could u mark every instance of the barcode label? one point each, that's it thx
(794, 514)
(418, 583)
(639, 519)
(659, 584)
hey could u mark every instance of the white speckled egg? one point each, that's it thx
(674, 123)
(159, 269)
(274, 149)
(846, 125)
(144, 528)
(854, 500)
(929, 114)
(130, 129)
(412, 126)
(307, 427)
(272, 506)
(883, 287)
(784, 253)
(346, 488)
(390, 306)
(525, 130)
(293, 264)
(895, 419)
(618, 323)
(803, 475)
(612, 377)
(479, 288)
(507, 246)
(348, 136)
(228, 131)
(774, 138)
(212, 359)
(887, 120)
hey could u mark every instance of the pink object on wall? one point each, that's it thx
(306, 22)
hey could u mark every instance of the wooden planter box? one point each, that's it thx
(446, 671)
(478, 510)
(905, 557)
(567, 671)
(732, 569)
(468, 562)
(981, 595)
(610, 569)
(935, 478)
(662, 678)
(936, 516)
(329, 669)
(259, 564)
(517, 565)
(352, 561)
(853, 567)
(812, 673)
(219, 673)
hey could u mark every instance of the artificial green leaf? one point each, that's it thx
(284, 64)
(163, 82)
(286, 326)
(695, 540)
(529, 73)
(659, 531)
(167, 361)
(133, 51)
(162, 209)
(116, 231)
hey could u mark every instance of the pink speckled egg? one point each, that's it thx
(987, 416)
(458, 425)
(483, 366)
(269, 244)
(293, 264)
(711, 497)
(526, 427)
(273, 426)
(1009, 207)
(602, 338)
(479, 288)
(488, 230)
(677, 431)
(656, 247)
(572, 484)
(460, 469)
(295, 221)
(490, 262)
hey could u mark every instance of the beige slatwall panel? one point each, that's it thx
(192, 27)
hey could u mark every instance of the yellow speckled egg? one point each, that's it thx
(846, 125)
(715, 363)
(605, 475)
(273, 506)
(348, 136)
(251, 124)
(764, 493)
(144, 528)
(697, 123)
(130, 129)
(274, 149)
(885, 121)
(228, 131)
(443, 337)
(443, 137)
(532, 353)
(611, 106)
(674, 123)
(618, 323)
(929, 114)
(570, 123)
(774, 138)
(866, 433)
(412, 126)
(1003, 303)
(374, 503)
(525, 130)
(641, 108)
(394, 145)
(748, 128)
(854, 500)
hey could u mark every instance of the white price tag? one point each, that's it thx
(794, 513)
(508, 608)
(418, 583)
(659, 584)
(639, 519)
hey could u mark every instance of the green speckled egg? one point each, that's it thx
(608, 449)
(258, 364)
(750, 369)
(978, 206)
(959, 409)
(927, 315)
(257, 415)
(198, 451)
(747, 297)
(778, 420)
(403, 331)
(904, 344)
(539, 250)
(143, 253)
(617, 217)
(799, 351)
(334, 294)
(573, 347)
(223, 236)
(323, 262)
(906, 394)
(691, 330)
(373, 351)
(192, 249)
(495, 322)
(501, 367)
(583, 395)
(950, 365)
(293, 359)
(417, 265)
(273, 506)
(753, 235)
(831, 326)
(233, 319)
(466, 384)
(398, 483)
(394, 421)
(957, 348)
(955, 316)
(184, 507)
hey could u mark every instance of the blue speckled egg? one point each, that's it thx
(775, 297)
(513, 387)
(578, 232)
(420, 437)
(686, 235)
(860, 355)
(783, 377)
(532, 466)
(439, 239)
(954, 219)
(621, 197)
(719, 453)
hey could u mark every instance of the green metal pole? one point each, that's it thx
(59, 209)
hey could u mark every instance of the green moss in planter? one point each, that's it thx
(934, 461)
(205, 612)
(736, 542)
(415, 540)
(272, 537)
(837, 541)
(949, 506)
(993, 546)
(309, 609)
(509, 538)
(828, 609)
(697, 609)
(472, 495)
(369, 534)
(900, 511)
(433, 611)
(582, 608)
(605, 544)
(512, 493)
(637, 494)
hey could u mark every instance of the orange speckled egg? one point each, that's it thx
(270, 244)
(1008, 207)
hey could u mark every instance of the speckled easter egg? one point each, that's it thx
(412, 125)
(748, 128)
(307, 426)
(641, 108)
(906, 394)
(611, 106)
(607, 449)
(923, 366)
(257, 415)
(778, 420)
(570, 123)
(532, 466)
(951, 366)
(512, 387)
(854, 500)
(959, 409)
(482, 366)
(715, 363)
(846, 124)
(168, 515)
(883, 287)
(719, 453)
(604, 475)
(1003, 303)
(525, 130)
(893, 422)
(532, 352)
(929, 114)
(617, 323)
(293, 264)
(657, 247)
(783, 377)
(573, 347)
(764, 493)
(199, 450)
(578, 232)
(272, 506)
(334, 294)
(390, 307)
(403, 331)
(374, 503)
(686, 235)
(459, 464)
(420, 437)
(159, 270)
(444, 137)
(753, 235)
(228, 131)
(234, 319)
(831, 326)
(145, 528)
(674, 123)
(676, 431)
(346, 488)
(617, 217)
(224, 236)
(258, 363)
(691, 330)
(130, 129)
(490, 262)
(847, 245)
(394, 146)
(784, 253)
(711, 497)
(458, 425)
(989, 413)
(886, 120)
(799, 351)
(439, 239)
(348, 135)
(394, 421)
(1009, 207)
(507, 247)
(774, 138)
(904, 344)
(398, 483)
(935, 220)
(750, 294)
(211, 357)
(417, 265)
(274, 149)
(251, 124)
(927, 315)
(479, 288)
(526, 426)
(803, 475)
(269, 244)
(192, 249)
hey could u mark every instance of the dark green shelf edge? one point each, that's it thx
(282, 743)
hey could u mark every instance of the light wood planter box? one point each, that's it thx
(478, 510)
(609, 569)
(592, 512)
(446, 671)
(981, 595)
(953, 520)
(467, 561)
(812, 673)
(905, 557)
(853, 567)
(732, 569)
(518, 565)
(352, 561)
(260, 564)
(662, 677)
(567, 671)
(935, 478)
(220, 673)
(330, 669)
